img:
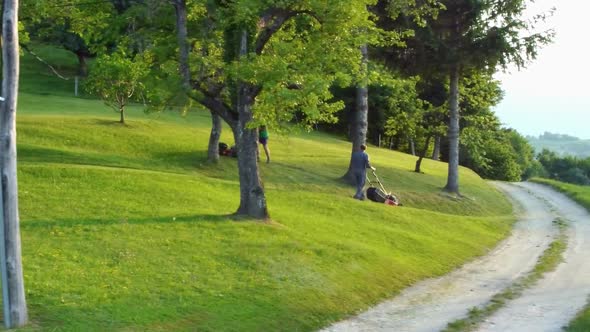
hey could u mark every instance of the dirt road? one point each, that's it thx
(556, 298)
(431, 304)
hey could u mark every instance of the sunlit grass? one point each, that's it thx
(128, 228)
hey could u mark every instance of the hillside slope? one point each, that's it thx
(127, 227)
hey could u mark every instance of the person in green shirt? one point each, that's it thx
(263, 140)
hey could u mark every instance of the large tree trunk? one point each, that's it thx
(358, 130)
(452, 185)
(213, 149)
(252, 199)
(15, 307)
(436, 148)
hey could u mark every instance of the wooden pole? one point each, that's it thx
(14, 284)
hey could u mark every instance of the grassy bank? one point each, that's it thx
(127, 228)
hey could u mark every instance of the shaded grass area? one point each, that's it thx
(127, 227)
(549, 260)
(38, 78)
(580, 194)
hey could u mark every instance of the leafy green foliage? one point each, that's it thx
(487, 148)
(77, 26)
(296, 53)
(567, 169)
(500, 154)
(117, 79)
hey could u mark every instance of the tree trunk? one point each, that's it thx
(358, 130)
(122, 112)
(421, 156)
(213, 149)
(15, 307)
(183, 47)
(252, 199)
(436, 149)
(184, 69)
(412, 146)
(82, 65)
(452, 185)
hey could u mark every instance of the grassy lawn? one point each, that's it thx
(580, 194)
(126, 227)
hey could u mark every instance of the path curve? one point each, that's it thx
(554, 301)
(430, 305)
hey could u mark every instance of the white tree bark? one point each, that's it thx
(14, 287)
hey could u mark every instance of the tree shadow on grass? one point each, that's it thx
(183, 159)
(111, 123)
(197, 218)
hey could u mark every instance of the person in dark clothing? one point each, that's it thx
(360, 163)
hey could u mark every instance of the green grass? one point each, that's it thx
(580, 194)
(37, 77)
(549, 260)
(127, 227)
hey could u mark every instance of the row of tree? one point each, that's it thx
(285, 63)
(568, 169)
(278, 62)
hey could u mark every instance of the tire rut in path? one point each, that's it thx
(555, 299)
(431, 304)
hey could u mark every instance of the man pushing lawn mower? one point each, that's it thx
(360, 163)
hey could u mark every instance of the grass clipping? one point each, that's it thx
(550, 259)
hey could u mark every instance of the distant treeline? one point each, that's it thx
(567, 169)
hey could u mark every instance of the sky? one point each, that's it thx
(552, 93)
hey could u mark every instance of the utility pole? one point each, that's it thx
(13, 289)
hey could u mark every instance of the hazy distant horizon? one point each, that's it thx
(552, 93)
(532, 116)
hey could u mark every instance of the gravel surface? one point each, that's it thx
(431, 304)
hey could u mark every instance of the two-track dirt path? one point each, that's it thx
(555, 299)
(431, 304)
